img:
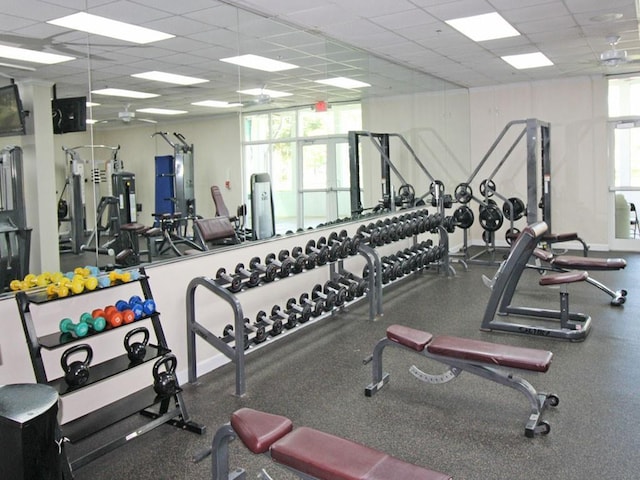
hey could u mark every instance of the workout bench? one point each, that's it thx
(310, 454)
(485, 359)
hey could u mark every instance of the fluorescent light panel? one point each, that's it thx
(488, 26)
(91, 121)
(92, 104)
(169, 78)
(161, 111)
(86, 22)
(264, 91)
(216, 104)
(259, 63)
(15, 53)
(528, 60)
(343, 82)
(118, 92)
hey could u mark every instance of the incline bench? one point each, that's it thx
(309, 453)
(484, 359)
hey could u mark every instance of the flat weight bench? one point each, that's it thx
(565, 263)
(309, 453)
(485, 359)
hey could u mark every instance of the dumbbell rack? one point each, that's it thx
(159, 410)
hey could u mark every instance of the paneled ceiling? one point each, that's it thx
(399, 46)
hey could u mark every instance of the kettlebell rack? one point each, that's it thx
(159, 408)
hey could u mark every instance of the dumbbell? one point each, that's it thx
(355, 286)
(296, 266)
(57, 290)
(328, 297)
(258, 330)
(119, 276)
(386, 273)
(384, 232)
(394, 267)
(234, 281)
(392, 231)
(340, 245)
(408, 260)
(284, 266)
(340, 291)
(436, 221)
(113, 316)
(289, 320)
(268, 272)
(316, 305)
(80, 329)
(308, 260)
(229, 335)
(356, 241)
(322, 252)
(403, 263)
(370, 234)
(252, 276)
(303, 311)
(148, 305)
(275, 323)
(97, 324)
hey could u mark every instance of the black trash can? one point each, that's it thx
(28, 431)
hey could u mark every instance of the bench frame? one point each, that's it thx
(538, 401)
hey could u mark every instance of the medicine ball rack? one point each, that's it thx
(321, 301)
(158, 408)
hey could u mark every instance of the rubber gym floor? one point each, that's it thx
(470, 428)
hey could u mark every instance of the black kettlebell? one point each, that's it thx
(165, 383)
(76, 373)
(136, 350)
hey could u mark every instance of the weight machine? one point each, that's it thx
(262, 217)
(15, 236)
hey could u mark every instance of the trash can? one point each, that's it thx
(28, 430)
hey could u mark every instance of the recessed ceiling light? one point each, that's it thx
(92, 104)
(259, 63)
(169, 78)
(343, 82)
(216, 104)
(488, 26)
(528, 60)
(607, 17)
(264, 92)
(161, 111)
(15, 53)
(118, 92)
(86, 22)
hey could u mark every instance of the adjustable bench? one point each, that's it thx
(485, 359)
(309, 453)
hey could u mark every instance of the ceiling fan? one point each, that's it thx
(614, 56)
(127, 116)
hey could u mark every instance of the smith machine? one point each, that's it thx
(15, 236)
(175, 198)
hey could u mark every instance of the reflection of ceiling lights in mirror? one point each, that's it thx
(259, 63)
(264, 92)
(527, 60)
(118, 92)
(488, 26)
(216, 104)
(93, 104)
(161, 111)
(15, 53)
(86, 22)
(343, 82)
(19, 67)
(169, 78)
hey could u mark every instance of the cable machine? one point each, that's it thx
(15, 236)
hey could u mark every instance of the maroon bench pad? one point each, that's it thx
(409, 337)
(491, 353)
(258, 430)
(328, 457)
(561, 278)
(589, 263)
(559, 237)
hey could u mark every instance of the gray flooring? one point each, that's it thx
(470, 428)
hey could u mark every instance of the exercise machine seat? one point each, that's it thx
(216, 228)
(589, 263)
(259, 430)
(564, 278)
(559, 237)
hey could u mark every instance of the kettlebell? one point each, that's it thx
(165, 383)
(76, 373)
(136, 350)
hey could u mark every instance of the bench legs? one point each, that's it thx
(537, 401)
(220, 455)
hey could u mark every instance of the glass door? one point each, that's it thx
(624, 137)
(324, 193)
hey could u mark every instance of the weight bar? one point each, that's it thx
(303, 311)
(340, 291)
(284, 267)
(317, 305)
(322, 252)
(269, 272)
(258, 330)
(309, 260)
(252, 277)
(289, 320)
(275, 324)
(234, 281)
(519, 208)
(328, 297)
(229, 335)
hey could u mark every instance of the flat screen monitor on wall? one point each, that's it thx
(11, 113)
(69, 114)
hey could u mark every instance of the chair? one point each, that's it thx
(635, 227)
